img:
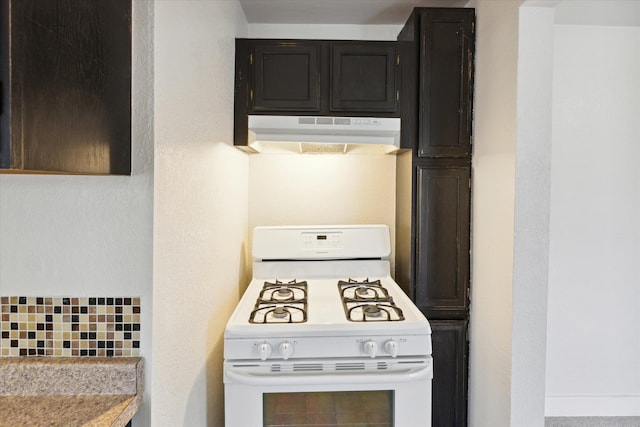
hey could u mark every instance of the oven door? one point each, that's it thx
(329, 393)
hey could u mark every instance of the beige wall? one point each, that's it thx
(200, 207)
(494, 140)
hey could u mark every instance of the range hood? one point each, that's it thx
(318, 135)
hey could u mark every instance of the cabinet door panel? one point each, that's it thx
(445, 80)
(286, 77)
(70, 90)
(442, 239)
(363, 77)
(449, 401)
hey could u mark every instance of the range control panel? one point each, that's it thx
(371, 347)
(322, 240)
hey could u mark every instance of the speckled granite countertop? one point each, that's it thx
(74, 391)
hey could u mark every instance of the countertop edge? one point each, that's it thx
(128, 413)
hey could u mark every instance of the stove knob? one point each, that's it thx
(286, 350)
(265, 350)
(391, 347)
(371, 348)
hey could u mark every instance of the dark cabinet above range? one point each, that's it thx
(283, 77)
(316, 78)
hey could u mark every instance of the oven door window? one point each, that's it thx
(336, 408)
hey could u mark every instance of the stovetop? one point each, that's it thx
(324, 292)
(327, 313)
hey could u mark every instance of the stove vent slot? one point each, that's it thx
(276, 368)
(382, 366)
(307, 367)
(350, 366)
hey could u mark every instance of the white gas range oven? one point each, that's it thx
(324, 336)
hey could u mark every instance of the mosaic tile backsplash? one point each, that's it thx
(59, 326)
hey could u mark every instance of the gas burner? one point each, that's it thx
(382, 312)
(290, 292)
(372, 311)
(368, 301)
(278, 314)
(283, 294)
(363, 291)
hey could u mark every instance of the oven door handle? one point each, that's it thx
(242, 376)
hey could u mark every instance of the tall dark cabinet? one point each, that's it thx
(433, 214)
(65, 83)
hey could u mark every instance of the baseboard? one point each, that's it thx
(592, 421)
(592, 406)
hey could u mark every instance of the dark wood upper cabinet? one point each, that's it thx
(450, 361)
(442, 238)
(443, 42)
(66, 86)
(286, 77)
(363, 77)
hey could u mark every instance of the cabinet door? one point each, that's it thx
(286, 77)
(363, 77)
(69, 107)
(446, 65)
(449, 387)
(442, 238)
(5, 106)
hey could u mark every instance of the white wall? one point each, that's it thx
(594, 291)
(200, 207)
(494, 138)
(89, 235)
(531, 216)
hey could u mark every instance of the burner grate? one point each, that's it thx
(368, 301)
(281, 302)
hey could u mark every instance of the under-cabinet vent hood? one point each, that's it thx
(309, 134)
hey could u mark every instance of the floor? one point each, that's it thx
(592, 422)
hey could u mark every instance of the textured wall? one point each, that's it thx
(494, 139)
(531, 216)
(200, 207)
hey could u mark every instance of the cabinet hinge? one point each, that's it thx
(251, 59)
